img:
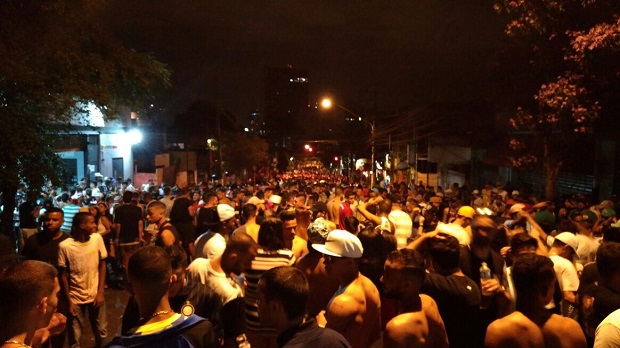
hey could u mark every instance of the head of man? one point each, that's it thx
(178, 264)
(300, 201)
(239, 253)
(29, 293)
(403, 273)
(156, 212)
(282, 296)
(268, 193)
(53, 220)
(522, 243)
(608, 264)
(83, 225)
(210, 200)
(271, 234)
(483, 230)
(385, 207)
(565, 245)
(228, 220)
(465, 215)
(289, 224)
(534, 279)
(444, 253)
(319, 210)
(221, 193)
(350, 197)
(339, 191)
(127, 197)
(340, 252)
(167, 190)
(275, 201)
(149, 276)
(249, 211)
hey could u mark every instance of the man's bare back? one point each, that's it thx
(332, 208)
(300, 247)
(423, 328)
(355, 313)
(514, 330)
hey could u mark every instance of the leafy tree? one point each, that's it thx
(240, 151)
(564, 42)
(54, 59)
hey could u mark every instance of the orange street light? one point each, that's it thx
(327, 103)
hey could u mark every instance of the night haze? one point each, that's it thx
(398, 54)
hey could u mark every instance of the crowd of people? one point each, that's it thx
(304, 264)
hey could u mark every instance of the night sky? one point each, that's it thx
(397, 53)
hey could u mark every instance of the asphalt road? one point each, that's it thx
(115, 301)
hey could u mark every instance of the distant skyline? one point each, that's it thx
(397, 53)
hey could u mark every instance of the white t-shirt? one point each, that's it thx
(402, 227)
(456, 231)
(608, 331)
(587, 248)
(566, 273)
(223, 287)
(82, 263)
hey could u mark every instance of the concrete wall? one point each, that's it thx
(115, 146)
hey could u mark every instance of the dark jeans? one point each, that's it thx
(76, 324)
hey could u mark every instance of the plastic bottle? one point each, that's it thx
(485, 273)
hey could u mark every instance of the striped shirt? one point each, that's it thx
(264, 261)
(69, 212)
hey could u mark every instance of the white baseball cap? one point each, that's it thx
(569, 239)
(341, 243)
(275, 199)
(225, 212)
(516, 208)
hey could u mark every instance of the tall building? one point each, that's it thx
(286, 95)
(256, 123)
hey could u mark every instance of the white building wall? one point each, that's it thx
(115, 146)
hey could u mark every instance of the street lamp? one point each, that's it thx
(327, 103)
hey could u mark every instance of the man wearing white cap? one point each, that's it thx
(212, 243)
(563, 248)
(274, 210)
(354, 310)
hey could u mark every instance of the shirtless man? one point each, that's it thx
(297, 244)
(418, 323)
(249, 212)
(166, 234)
(354, 310)
(532, 325)
(322, 287)
(334, 204)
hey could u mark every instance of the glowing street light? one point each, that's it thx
(327, 103)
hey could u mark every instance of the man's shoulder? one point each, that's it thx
(561, 326)
(66, 243)
(345, 305)
(562, 263)
(190, 331)
(564, 330)
(311, 335)
(407, 326)
(514, 329)
(406, 320)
